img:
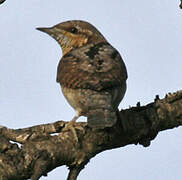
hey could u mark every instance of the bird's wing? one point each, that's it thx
(95, 67)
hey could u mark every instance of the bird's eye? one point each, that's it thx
(74, 30)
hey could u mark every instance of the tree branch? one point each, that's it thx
(39, 149)
(74, 173)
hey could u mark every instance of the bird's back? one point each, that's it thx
(94, 66)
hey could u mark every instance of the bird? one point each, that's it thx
(91, 72)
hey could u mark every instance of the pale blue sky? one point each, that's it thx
(148, 36)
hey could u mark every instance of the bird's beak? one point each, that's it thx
(56, 33)
(46, 30)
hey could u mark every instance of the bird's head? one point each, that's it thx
(73, 34)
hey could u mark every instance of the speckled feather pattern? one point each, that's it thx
(91, 72)
(97, 70)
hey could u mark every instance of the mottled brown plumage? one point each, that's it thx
(91, 72)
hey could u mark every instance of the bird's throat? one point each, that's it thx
(69, 42)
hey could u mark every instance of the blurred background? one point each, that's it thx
(148, 36)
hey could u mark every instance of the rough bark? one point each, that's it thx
(33, 152)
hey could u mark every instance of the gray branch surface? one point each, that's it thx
(32, 152)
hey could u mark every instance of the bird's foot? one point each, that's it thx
(72, 126)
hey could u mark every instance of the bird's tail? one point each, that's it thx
(101, 118)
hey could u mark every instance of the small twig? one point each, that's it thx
(73, 174)
(30, 133)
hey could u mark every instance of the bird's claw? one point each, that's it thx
(70, 127)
